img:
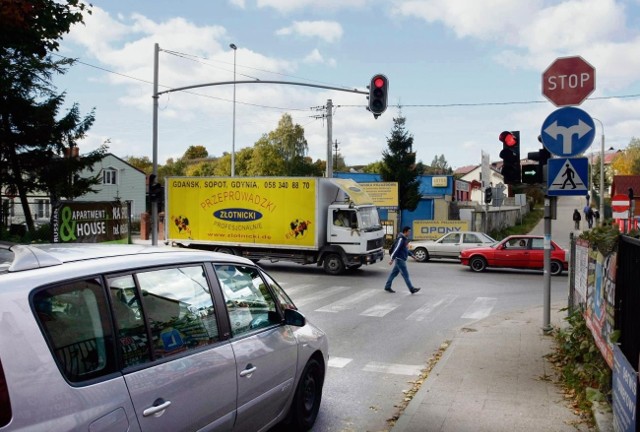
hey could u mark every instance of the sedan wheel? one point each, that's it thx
(556, 268)
(421, 254)
(478, 264)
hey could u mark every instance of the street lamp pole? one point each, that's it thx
(233, 142)
(601, 172)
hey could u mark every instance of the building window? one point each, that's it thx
(42, 208)
(110, 176)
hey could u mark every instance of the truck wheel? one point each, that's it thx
(333, 264)
(226, 250)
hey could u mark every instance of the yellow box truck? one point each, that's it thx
(308, 220)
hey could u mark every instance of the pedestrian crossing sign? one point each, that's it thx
(568, 176)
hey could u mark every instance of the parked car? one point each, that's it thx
(517, 251)
(449, 245)
(139, 338)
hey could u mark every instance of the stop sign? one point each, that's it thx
(620, 203)
(568, 81)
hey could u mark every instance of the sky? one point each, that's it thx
(459, 71)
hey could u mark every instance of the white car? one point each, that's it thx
(449, 245)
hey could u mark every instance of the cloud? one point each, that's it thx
(314, 57)
(288, 6)
(330, 31)
(238, 3)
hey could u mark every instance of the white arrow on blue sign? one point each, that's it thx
(568, 132)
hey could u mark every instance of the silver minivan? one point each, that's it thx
(139, 338)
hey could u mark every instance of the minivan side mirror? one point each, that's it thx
(294, 318)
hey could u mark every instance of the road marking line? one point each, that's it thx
(432, 305)
(393, 368)
(348, 302)
(380, 310)
(318, 295)
(339, 362)
(480, 308)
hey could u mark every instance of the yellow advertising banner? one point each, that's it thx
(384, 194)
(267, 210)
(434, 229)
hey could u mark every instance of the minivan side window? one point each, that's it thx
(178, 305)
(130, 327)
(249, 302)
(75, 318)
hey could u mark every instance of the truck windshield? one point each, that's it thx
(369, 219)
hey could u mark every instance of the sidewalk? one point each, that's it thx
(494, 376)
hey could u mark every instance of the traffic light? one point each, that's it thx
(488, 195)
(510, 155)
(378, 90)
(537, 173)
(156, 190)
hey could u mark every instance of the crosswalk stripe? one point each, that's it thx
(381, 309)
(339, 362)
(318, 295)
(393, 368)
(427, 310)
(349, 302)
(480, 308)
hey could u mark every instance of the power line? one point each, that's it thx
(443, 105)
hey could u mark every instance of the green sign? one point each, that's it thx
(91, 222)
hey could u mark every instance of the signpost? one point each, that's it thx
(568, 81)
(567, 132)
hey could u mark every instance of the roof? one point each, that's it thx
(622, 183)
(465, 169)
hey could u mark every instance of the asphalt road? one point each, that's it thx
(379, 342)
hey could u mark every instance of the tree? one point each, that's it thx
(627, 162)
(38, 148)
(439, 166)
(142, 163)
(399, 165)
(195, 152)
(282, 152)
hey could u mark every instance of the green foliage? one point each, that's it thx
(603, 238)
(399, 165)
(439, 166)
(583, 369)
(528, 223)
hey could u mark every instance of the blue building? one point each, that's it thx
(436, 193)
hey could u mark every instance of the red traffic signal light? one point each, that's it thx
(378, 90)
(508, 138)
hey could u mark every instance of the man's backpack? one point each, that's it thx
(393, 245)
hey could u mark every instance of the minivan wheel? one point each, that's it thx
(306, 402)
(478, 264)
(556, 268)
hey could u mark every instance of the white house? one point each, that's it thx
(473, 175)
(120, 181)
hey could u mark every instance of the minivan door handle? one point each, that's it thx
(159, 405)
(248, 370)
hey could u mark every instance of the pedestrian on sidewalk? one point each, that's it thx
(588, 216)
(596, 215)
(399, 254)
(576, 218)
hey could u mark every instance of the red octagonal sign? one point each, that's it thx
(568, 81)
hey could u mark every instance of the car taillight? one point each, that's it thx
(5, 403)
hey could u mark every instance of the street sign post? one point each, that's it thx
(620, 206)
(568, 81)
(568, 132)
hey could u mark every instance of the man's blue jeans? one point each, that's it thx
(399, 266)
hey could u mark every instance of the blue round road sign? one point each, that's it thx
(568, 132)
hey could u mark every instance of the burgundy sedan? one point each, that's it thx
(517, 251)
